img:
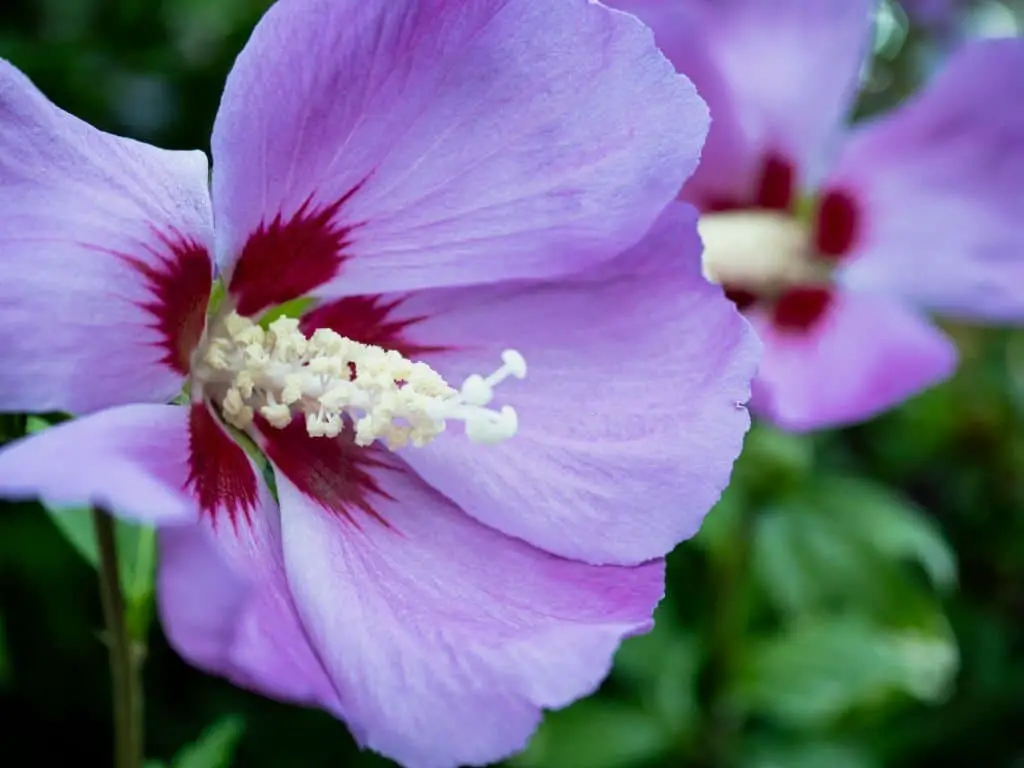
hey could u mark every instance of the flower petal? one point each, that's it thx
(864, 355)
(226, 608)
(132, 460)
(223, 596)
(781, 78)
(365, 146)
(729, 163)
(443, 637)
(153, 463)
(941, 184)
(630, 416)
(103, 251)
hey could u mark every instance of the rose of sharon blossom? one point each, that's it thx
(512, 393)
(836, 241)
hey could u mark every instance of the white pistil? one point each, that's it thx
(327, 379)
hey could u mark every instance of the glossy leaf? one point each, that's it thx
(596, 734)
(215, 748)
(136, 548)
(892, 525)
(812, 754)
(846, 543)
(662, 667)
(824, 668)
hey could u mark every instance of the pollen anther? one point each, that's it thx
(330, 381)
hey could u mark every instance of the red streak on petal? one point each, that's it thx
(776, 188)
(366, 319)
(220, 474)
(283, 260)
(179, 284)
(742, 298)
(800, 309)
(838, 221)
(335, 473)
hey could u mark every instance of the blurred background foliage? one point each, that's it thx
(855, 601)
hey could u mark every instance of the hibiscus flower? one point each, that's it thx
(418, 192)
(834, 240)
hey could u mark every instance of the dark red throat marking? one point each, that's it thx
(742, 298)
(335, 473)
(836, 228)
(220, 474)
(775, 189)
(800, 308)
(367, 319)
(286, 259)
(179, 284)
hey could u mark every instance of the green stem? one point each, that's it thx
(125, 656)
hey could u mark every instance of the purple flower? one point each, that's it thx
(835, 241)
(446, 180)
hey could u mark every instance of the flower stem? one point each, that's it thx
(125, 655)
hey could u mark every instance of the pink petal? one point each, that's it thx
(729, 162)
(779, 77)
(630, 415)
(866, 354)
(132, 460)
(103, 250)
(365, 146)
(444, 638)
(941, 184)
(226, 608)
(154, 463)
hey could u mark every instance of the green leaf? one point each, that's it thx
(136, 548)
(808, 755)
(846, 542)
(661, 667)
(721, 526)
(217, 293)
(293, 308)
(891, 524)
(75, 523)
(773, 458)
(596, 733)
(215, 748)
(821, 669)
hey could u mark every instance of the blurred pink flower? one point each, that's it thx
(835, 240)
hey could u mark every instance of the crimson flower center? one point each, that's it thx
(767, 256)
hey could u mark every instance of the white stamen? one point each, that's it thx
(759, 250)
(327, 379)
(476, 391)
(514, 362)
